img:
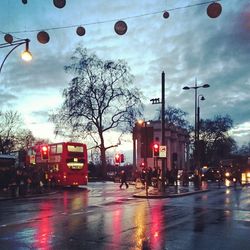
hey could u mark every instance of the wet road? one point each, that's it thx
(105, 217)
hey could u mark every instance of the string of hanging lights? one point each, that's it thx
(214, 10)
(58, 3)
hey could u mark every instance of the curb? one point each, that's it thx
(168, 195)
(26, 196)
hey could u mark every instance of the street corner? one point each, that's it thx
(172, 192)
(155, 195)
(181, 193)
(152, 193)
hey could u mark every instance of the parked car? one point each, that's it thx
(191, 176)
(210, 174)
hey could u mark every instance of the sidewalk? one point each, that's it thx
(5, 194)
(170, 192)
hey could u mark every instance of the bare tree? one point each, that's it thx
(175, 116)
(100, 99)
(24, 139)
(12, 134)
(216, 143)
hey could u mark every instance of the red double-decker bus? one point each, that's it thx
(64, 164)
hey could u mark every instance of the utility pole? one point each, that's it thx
(157, 101)
(196, 133)
(163, 172)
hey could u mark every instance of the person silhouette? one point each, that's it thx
(123, 179)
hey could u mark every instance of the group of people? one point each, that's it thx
(151, 176)
(21, 181)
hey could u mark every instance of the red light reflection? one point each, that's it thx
(116, 227)
(44, 231)
(156, 220)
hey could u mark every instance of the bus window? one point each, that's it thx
(53, 149)
(72, 148)
(59, 149)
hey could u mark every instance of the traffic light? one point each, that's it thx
(142, 164)
(117, 159)
(44, 153)
(156, 149)
(122, 157)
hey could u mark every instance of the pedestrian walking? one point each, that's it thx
(15, 183)
(197, 179)
(184, 177)
(22, 183)
(123, 179)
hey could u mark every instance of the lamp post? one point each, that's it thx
(144, 128)
(26, 55)
(202, 98)
(145, 141)
(196, 132)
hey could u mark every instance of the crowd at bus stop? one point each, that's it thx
(23, 180)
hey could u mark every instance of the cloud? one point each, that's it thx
(186, 46)
(6, 98)
(242, 133)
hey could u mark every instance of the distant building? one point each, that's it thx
(7, 161)
(176, 141)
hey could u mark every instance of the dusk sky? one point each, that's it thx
(186, 46)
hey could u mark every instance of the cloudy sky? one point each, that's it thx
(187, 46)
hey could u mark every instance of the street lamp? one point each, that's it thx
(202, 98)
(146, 137)
(198, 146)
(196, 133)
(145, 133)
(26, 55)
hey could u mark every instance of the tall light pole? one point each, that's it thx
(202, 98)
(26, 55)
(196, 87)
(145, 132)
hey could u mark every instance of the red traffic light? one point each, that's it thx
(122, 157)
(156, 149)
(117, 159)
(44, 152)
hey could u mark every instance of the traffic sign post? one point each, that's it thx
(163, 152)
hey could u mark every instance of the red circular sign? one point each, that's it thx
(8, 38)
(43, 37)
(120, 27)
(214, 10)
(80, 31)
(166, 14)
(59, 3)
